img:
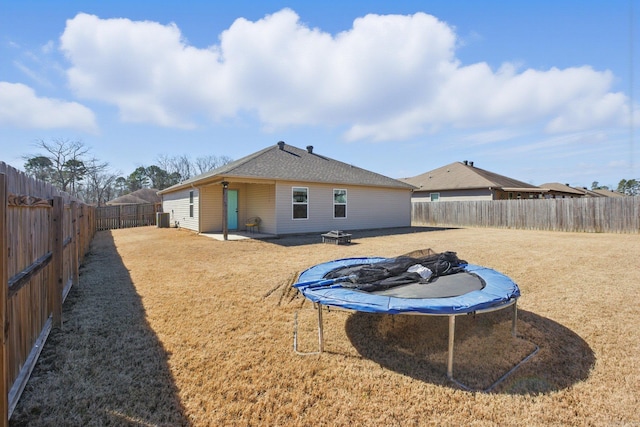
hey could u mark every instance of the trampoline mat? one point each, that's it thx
(452, 285)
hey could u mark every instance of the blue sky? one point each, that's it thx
(543, 91)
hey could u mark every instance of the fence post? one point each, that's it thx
(57, 248)
(75, 232)
(4, 295)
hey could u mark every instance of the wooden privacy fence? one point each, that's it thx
(593, 214)
(126, 216)
(44, 235)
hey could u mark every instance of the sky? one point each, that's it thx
(544, 91)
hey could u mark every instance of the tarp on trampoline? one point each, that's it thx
(476, 288)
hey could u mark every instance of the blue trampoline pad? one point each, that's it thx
(477, 288)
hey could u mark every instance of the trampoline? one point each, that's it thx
(473, 290)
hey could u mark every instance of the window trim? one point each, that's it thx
(191, 203)
(431, 197)
(294, 203)
(340, 204)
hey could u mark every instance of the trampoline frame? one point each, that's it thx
(511, 302)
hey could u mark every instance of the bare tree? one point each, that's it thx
(206, 163)
(184, 168)
(67, 162)
(100, 185)
(179, 166)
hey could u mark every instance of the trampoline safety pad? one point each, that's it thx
(477, 289)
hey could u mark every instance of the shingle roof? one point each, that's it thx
(609, 193)
(290, 163)
(141, 196)
(563, 188)
(460, 176)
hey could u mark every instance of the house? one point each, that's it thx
(608, 193)
(138, 197)
(598, 193)
(556, 190)
(292, 191)
(465, 181)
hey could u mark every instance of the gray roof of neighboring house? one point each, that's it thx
(609, 193)
(141, 196)
(461, 176)
(290, 163)
(599, 193)
(561, 188)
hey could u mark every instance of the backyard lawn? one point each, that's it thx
(172, 328)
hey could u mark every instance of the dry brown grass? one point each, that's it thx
(171, 328)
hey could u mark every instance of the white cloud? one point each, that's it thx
(33, 75)
(20, 107)
(492, 136)
(387, 78)
(48, 47)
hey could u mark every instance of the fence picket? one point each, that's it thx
(126, 216)
(596, 214)
(43, 259)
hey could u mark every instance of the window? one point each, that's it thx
(300, 202)
(339, 203)
(435, 197)
(191, 204)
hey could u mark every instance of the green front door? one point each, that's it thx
(232, 209)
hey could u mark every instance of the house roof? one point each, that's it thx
(141, 196)
(288, 163)
(461, 176)
(561, 188)
(582, 191)
(609, 193)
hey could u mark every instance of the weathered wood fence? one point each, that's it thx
(126, 216)
(44, 235)
(594, 214)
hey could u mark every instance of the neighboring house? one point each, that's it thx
(138, 197)
(598, 193)
(292, 191)
(556, 190)
(609, 193)
(465, 181)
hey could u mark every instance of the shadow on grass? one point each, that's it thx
(314, 238)
(484, 350)
(105, 366)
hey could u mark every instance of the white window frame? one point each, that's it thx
(191, 197)
(340, 204)
(294, 203)
(434, 197)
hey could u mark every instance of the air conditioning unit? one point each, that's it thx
(162, 219)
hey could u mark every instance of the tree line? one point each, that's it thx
(628, 187)
(69, 166)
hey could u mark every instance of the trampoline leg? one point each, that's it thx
(320, 334)
(514, 322)
(320, 330)
(452, 332)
